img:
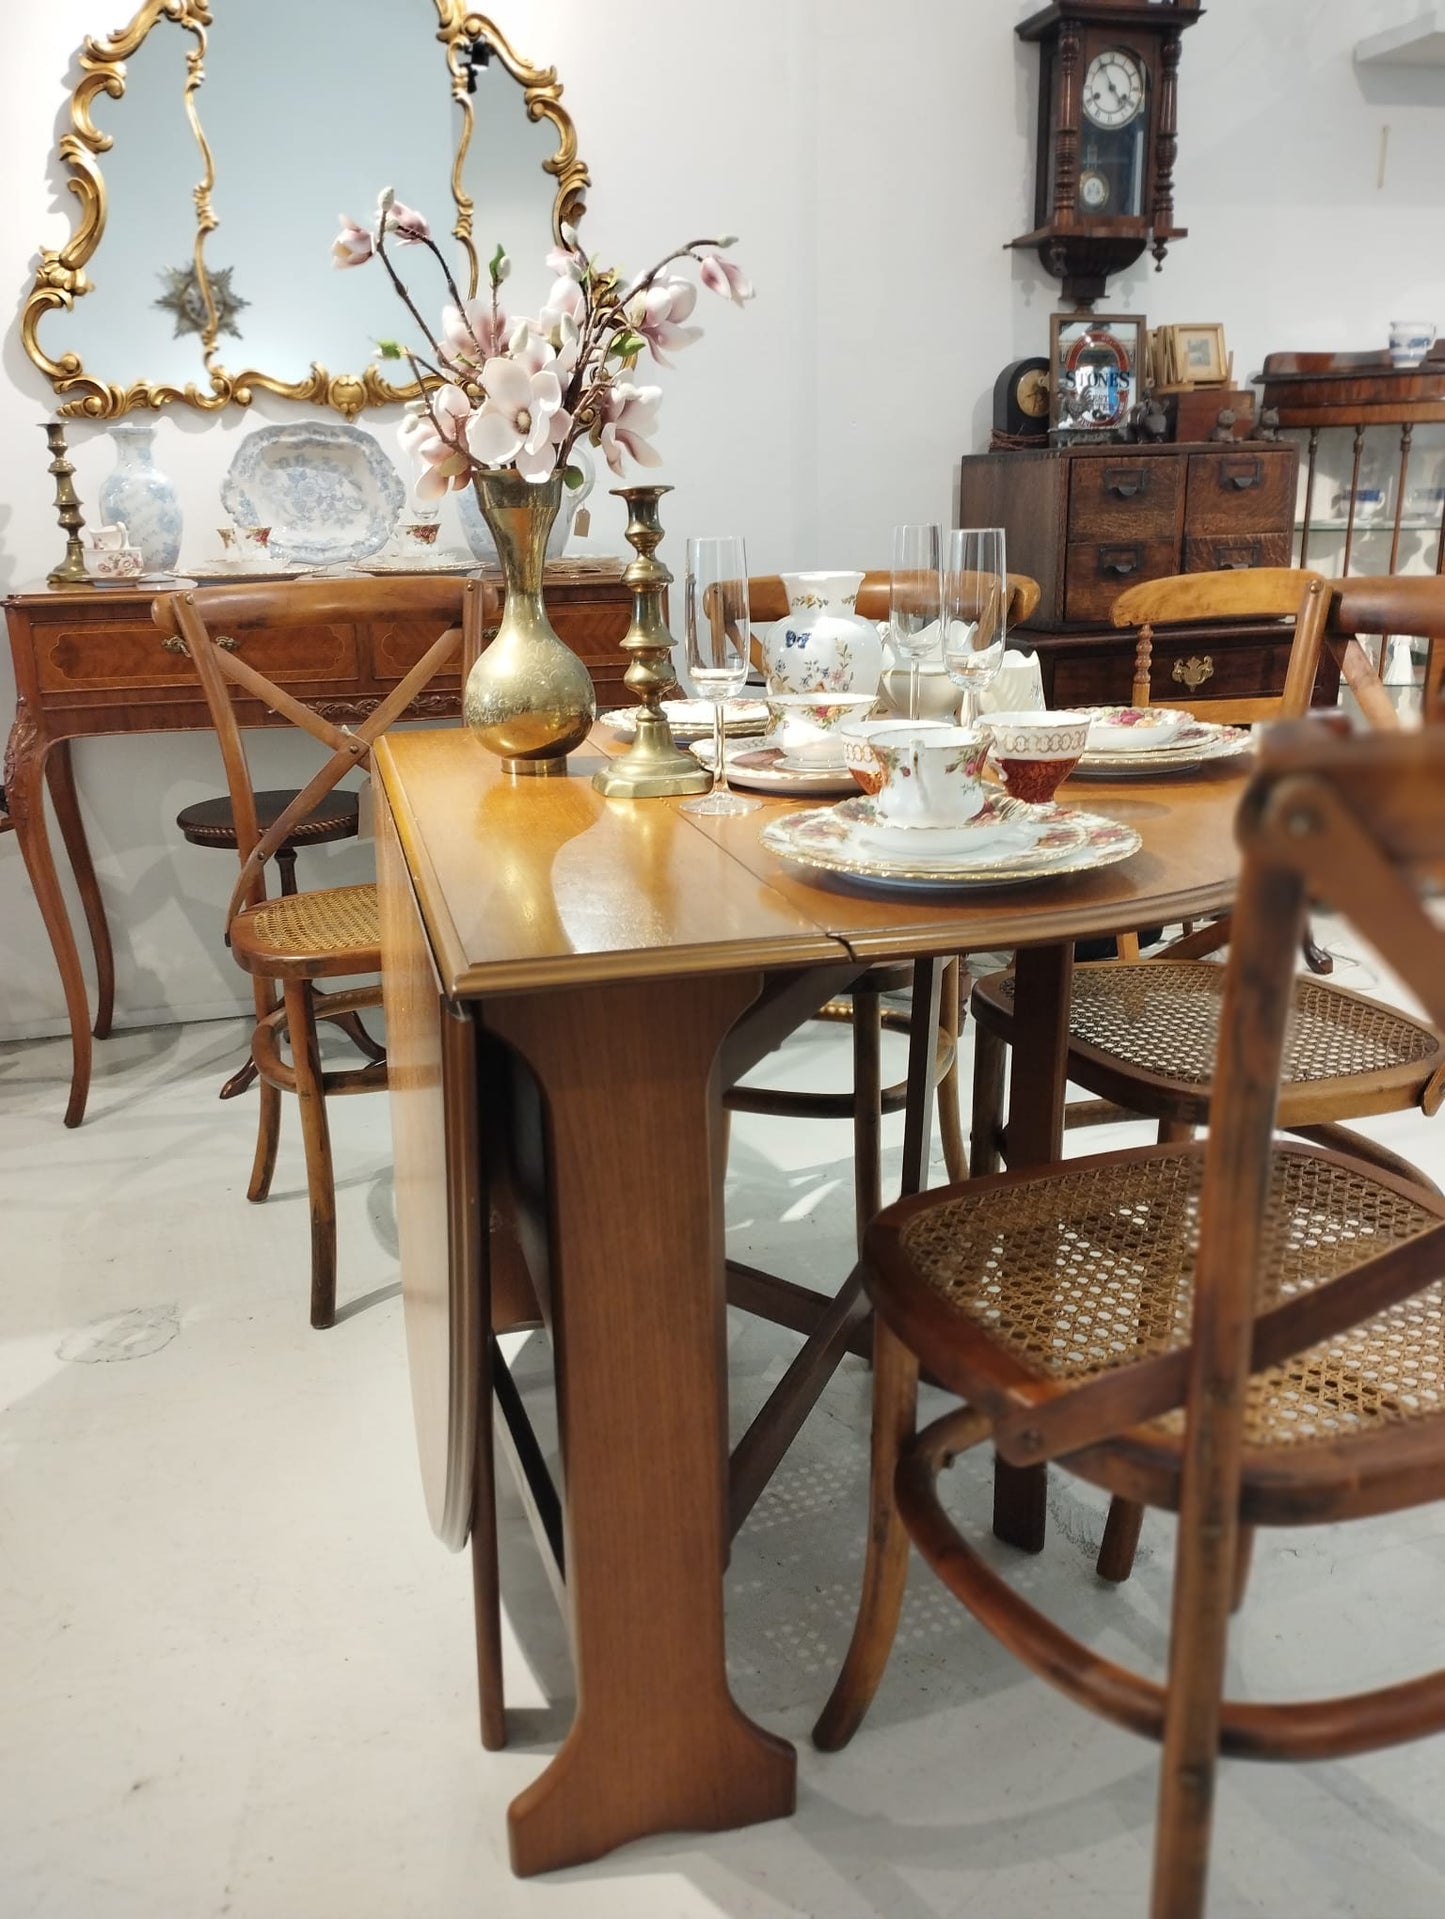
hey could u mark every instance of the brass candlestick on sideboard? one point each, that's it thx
(72, 570)
(654, 766)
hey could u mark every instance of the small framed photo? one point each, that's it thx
(1199, 355)
(1098, 370)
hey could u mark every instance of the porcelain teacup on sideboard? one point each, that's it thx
(932, 776)
(112, 557)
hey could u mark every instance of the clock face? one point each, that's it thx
(1113, 88)
(1032, 393)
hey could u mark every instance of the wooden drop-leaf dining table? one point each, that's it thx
(609, 967)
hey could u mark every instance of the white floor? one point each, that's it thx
(236, 1665)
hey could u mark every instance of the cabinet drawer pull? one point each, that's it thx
(1125, 482)
(173, 643)
(1241, 474)
(1121, 561)
(1194, 671)
(1237, 559)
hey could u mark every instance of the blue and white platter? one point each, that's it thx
(327, 491)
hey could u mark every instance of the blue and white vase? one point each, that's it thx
(138, 493)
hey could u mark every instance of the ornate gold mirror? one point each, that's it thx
(211, 146)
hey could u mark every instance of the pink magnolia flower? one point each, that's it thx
(352, 246)
(474, 336)
(631, 414)
(721, 276)
(565, 263)
(408, 225)
(522, 421)
(656, 312)
(439, 441)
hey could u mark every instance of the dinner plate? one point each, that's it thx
(451, 560)
(1196, 745)
(826, 840)
(327, 491)
(692, 719)
(763, 769)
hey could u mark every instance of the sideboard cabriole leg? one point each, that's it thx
(25, 756)
(60, 772)
(630, 1082)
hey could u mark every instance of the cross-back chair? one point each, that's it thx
(1142, 1033)
(290, 942)
(1380, 606)
(1246, 1332)
(1254, 593)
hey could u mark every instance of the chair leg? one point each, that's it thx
(1243, 1560)
(885, 1568)
(268, 1137)
(316, 1134)
(990, 1059)
(1175, 1132)
(867, 1107)
(950, 1124)
(350, 1024)
(1121, 1539)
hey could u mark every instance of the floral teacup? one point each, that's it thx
(932, 775)
(808, 726)
(245, 544)
(417, 536)
(112, 557)
(858, 754)
(1036, 752)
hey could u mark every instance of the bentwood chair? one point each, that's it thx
(1382, 605)
(291, 942)
(1246, 1332)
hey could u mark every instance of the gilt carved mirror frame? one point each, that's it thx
(60, 277)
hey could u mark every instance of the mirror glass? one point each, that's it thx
(310, 108)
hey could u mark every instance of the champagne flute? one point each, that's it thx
(975, 611)
(915, 599)
(716, 601)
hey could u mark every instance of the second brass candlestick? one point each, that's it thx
(654, 766)
(72, 570)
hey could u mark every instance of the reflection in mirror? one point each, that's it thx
(337, 128)
(150, 174)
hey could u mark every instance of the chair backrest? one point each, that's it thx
(1255, 593)
(1386, 604)
(212, 623)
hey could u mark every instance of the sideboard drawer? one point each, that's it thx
(1125, 499)
(1240, 491)
(397, 645)
(94, 658)
(1097, 573)
(1223, 553)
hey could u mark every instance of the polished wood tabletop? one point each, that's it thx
(617, 959)
(539, 883)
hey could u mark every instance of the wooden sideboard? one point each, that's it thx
(1088, 521)
(89, 661)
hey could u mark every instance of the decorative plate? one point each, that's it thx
(1195, 745)
(327, 491)
(449, 560)
(764, 770)
(692, 719)
(1063, 841)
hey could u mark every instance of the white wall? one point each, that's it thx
(874, 160)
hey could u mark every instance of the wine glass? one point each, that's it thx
(716, 600)
(915, 599)
(975, 611)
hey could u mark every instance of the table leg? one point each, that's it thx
(1043, 979)
(25, 755)
(632, 1098)
(61, 775)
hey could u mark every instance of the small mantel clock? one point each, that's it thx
(1108, 86)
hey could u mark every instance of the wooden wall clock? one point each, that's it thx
(1108, 90)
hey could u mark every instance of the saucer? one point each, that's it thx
(996, 825)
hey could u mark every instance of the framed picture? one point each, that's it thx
(1097, 370)
(1198, 355)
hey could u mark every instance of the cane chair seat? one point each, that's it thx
(1160, 1019)
(312, 935)
(1063, 1277)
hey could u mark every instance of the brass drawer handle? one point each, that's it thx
(1194, 671)
(173, 643)
(1121, 561)
(1125, 481)
(1241, 473)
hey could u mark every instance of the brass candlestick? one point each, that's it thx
(72, 570)
(654, 766)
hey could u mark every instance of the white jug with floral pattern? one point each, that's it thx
(822, 645)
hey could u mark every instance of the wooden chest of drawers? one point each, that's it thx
(1087, 521)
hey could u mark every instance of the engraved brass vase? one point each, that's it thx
(529, 699)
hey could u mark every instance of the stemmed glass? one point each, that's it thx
(975, 611)
(915, 599)
(716, 601)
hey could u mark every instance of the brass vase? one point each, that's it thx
(529, 699)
